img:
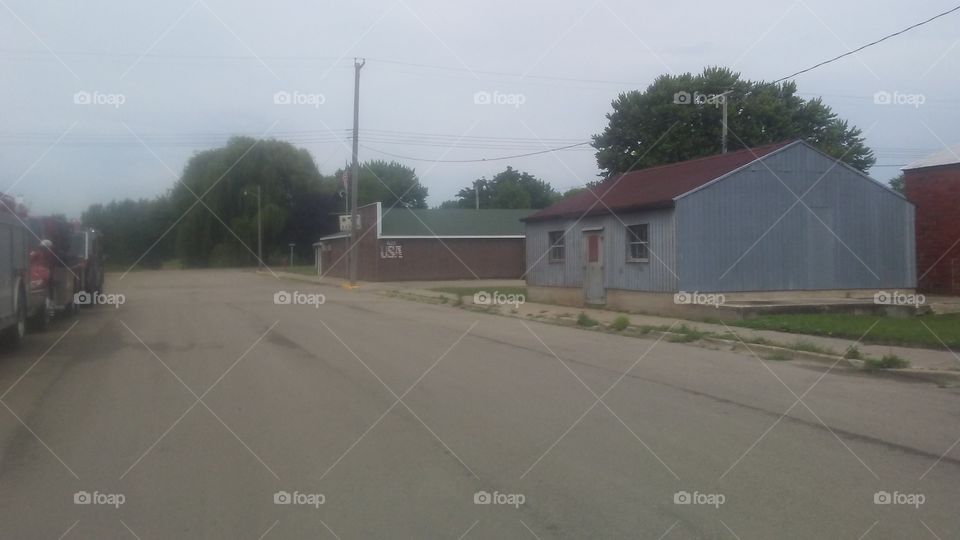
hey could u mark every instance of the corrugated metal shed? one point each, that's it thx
(798, 220)
(740, 228)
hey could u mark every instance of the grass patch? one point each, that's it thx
(809, 346)
(778, 356)
(683, 338)
(889, 361)
(620, 323)
(586, 321)
(911, 331)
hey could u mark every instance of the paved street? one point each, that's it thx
(200, 399)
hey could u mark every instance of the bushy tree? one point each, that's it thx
(759, 113)
(507, 189)
(388, 182)
(297, 205)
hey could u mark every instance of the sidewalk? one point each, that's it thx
(921, 359)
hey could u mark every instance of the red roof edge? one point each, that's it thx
(591, 204)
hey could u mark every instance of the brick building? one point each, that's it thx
(402, 244)
(933, 185)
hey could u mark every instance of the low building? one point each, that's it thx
(402, 244)
(774, 222)
(933, 185)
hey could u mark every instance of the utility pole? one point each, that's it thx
(355, 176)
(259, 232)
(723, 143)
(722, 98)
(291, 254)
(476, 193)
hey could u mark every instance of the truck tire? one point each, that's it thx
(41, 321)
(13, 337)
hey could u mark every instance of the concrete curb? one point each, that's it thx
(943, 378)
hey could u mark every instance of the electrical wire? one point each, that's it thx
(871, 44)
(500, 158)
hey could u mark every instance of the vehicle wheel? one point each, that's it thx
(15, 334)
(41, 321)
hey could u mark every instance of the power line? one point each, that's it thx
(500, 158)
(871, 44)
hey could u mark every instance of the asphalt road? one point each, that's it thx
(199, 401)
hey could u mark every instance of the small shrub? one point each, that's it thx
(853, 353)
(889, 361)
(683, 338)
(584, 320)
(620, 323)
(808, 346)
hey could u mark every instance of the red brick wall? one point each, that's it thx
(456, 258)
(936, 192)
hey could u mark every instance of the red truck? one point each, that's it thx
(54, 270)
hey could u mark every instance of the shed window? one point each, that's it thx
(638, 239)
(557, 248)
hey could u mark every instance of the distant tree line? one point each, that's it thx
(209, 217)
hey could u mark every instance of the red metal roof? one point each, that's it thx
(655, 187)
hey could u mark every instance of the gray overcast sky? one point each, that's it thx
(191, 73)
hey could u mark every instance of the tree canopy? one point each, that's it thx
(507, 189)
(674, 120)
(223, 229)
(390, 183)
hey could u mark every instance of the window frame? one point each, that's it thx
(555, 245)
(635, 240)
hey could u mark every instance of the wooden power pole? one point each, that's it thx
(355, 174)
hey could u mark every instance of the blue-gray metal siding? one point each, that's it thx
(659, 274)
(747, 232)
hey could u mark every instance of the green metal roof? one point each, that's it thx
(452, 222)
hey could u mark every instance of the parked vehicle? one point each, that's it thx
(87, 250)
(54, 271)
(14, 270)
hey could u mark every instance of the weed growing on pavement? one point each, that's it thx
(809, 346)
(620, 323)
(778, 356)
(585, 320)
(888, 361)
(853, 353)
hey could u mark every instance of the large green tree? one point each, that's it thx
(759, 113)
(387, 182)
(507, 189)
(222, 231)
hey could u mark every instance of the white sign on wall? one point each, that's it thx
(391, 250)
(345, 223)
